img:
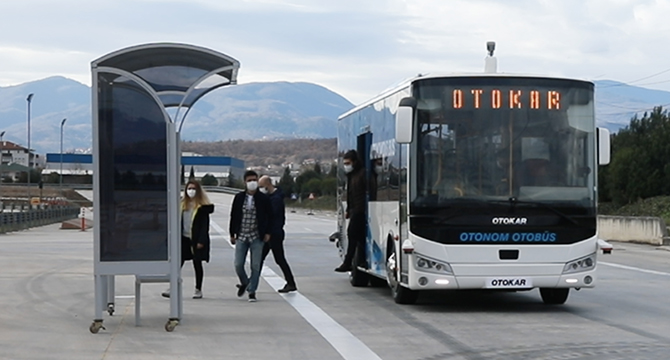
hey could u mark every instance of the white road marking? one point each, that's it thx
(344, 342)
(634, 268)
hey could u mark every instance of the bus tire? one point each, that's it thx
(401, 294)
(553, 296)
(377, 282)
(358, 278)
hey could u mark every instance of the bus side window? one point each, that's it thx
(378, 188)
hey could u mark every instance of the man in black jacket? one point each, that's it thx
(250, 217)
(356, 209)
(276, 243)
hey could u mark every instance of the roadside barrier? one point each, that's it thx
(16, 218)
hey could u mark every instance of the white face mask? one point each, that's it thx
(190, 193)
(252, 185)
(348, 168)
(264, 190)
(378, 169)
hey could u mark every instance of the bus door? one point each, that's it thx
(364, 143)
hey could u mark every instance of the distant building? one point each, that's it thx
(77, 167)
(11, 172)
(13, 153)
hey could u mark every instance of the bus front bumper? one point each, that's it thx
(429, 281)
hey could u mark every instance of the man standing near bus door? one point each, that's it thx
(276, 243)
(355, 212)
(249, 229)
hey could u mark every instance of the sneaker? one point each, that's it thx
(252, 297)
(166, 293)
(343, 268)
(241, 289)
(197, 294)
(287, 288)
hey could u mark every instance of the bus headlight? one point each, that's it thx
(429, 265)
(584, 264)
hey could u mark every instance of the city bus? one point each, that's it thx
(477, 181)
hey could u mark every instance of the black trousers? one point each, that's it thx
(197, 263)
(276, 245)
(356, 233)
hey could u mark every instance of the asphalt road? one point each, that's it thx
(46, 299)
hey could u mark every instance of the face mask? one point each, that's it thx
(378, 169)
(190, 193)
(348, 168)
(264, 190)
(252, 185)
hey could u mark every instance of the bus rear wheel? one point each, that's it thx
(358, 278)
(401, 294)
(552, 296)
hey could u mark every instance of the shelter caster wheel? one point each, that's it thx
(96, 326)
(110, 309)
(171, 324)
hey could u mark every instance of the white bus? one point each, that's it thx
(477, 181)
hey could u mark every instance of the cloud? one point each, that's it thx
(355, 48)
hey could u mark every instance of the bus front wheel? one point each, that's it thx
(552, 296)
(401, 294)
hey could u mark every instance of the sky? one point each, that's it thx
(356, 48)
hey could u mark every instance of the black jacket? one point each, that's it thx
(200, 232)
(356, 189)
(263, 213)
(278, 211)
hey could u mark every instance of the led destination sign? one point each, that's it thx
(505, 99)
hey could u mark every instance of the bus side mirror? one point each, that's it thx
(603, 146)
(404, 120)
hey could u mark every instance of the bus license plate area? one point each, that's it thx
(509, 283)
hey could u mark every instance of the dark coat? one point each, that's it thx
(278, 212)
(263, 213)
(356, 189)
(200, 233)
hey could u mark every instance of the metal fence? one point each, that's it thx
(19, 218)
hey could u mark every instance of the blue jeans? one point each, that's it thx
(241, 249)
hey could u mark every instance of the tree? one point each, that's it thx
(303, 179)
(313, 186)
(209, 180)
(329, 186)
(639, 166)
(333, 170)
(35, 176)
(317, 169)
(286, 182)
(191, 175)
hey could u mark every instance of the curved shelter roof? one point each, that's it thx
(179, 74)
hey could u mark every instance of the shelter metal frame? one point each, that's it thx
(126, 63)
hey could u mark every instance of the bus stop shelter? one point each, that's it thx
(140, 98)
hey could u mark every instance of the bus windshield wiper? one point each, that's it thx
(513, 201)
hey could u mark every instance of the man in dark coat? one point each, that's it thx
(249, 229)
(356, 209)
(276, 243)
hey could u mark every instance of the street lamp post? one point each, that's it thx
(29, 100)
(2, 134)
(62, 124)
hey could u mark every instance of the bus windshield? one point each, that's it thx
(501, 138)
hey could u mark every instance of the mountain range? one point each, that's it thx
(263, 110)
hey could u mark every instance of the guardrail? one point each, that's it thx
(221, 189)
(21, 218)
